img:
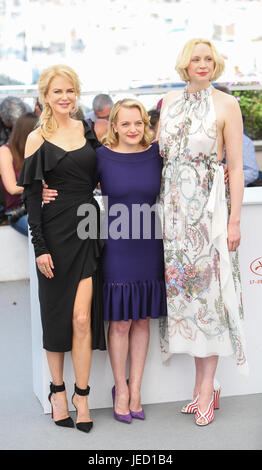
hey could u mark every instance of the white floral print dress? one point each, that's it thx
(205, 313)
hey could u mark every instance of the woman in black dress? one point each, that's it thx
(61, 152)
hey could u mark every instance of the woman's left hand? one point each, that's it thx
(233, 236)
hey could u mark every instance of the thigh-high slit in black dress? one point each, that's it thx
(54, 230)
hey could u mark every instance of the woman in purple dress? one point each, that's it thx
(129, 168)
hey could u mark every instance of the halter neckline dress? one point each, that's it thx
(204, 301)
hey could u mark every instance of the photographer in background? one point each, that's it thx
(102, 105)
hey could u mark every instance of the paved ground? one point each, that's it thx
(237, 425)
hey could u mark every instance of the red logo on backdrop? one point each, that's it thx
(256, 266)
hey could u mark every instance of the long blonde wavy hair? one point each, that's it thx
(47, 120)
(111, 138)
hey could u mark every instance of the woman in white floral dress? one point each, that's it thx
(201, 222)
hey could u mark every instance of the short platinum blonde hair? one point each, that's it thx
(185, 55)
(48, 123)
(111, 138)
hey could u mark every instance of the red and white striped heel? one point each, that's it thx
(191, 407)
(203, 419)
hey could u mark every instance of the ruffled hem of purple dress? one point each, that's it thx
(134, 300)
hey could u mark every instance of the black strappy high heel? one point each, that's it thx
(82, 426)
(66, 422)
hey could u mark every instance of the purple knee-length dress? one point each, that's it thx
(133, 267)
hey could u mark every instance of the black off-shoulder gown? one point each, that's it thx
(54, 230)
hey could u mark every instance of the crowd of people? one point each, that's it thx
(172, 154)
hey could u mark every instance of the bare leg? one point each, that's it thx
(199, 375)
(209, 365)
(82, 342)
(139, 341)
(118, 344)
(58, 400)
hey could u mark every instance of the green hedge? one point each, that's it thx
(250, 102)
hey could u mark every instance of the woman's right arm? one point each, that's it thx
(33, 201)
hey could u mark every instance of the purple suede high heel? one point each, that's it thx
(123, 418)
(138, 414)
